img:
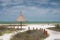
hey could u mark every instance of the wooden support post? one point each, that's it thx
(21, 25)
(40, 29)
(28, 28)
(33, 28)
(45, 32)
(36, 28)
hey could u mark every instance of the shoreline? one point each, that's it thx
(30, 24)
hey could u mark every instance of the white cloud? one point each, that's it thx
(29, 9)
(54, 3)
(29, 2)
(31, 12)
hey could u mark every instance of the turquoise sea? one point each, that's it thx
(29, 22)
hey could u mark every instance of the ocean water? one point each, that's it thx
(30, 22)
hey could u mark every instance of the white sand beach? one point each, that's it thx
(52, 34)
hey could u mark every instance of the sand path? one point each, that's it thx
(53, 35)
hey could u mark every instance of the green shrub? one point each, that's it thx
(29, 35)
(57, 26)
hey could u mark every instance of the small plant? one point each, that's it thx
(57, 26)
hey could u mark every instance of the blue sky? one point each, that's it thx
(33, 10)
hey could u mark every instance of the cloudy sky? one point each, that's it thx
(33, 10)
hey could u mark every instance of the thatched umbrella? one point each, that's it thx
(21, 19)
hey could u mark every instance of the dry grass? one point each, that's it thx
(29, 35)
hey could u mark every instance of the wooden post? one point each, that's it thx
(36, 28)
(28, 28)
(21, 25)
(33, 28)
(40, 29)
(44, 30)
(46, 33)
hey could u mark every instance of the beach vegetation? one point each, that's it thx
(29, 35)
(56, 28)
(4, 29)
